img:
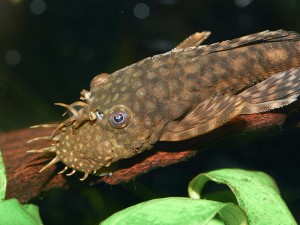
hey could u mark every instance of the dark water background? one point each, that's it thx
(50, 51)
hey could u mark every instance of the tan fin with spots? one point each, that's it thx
(194, 40)
(277, 91)
(208, 115)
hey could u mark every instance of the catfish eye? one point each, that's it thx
(118, 118)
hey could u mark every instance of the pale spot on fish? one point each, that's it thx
(126, 97)
(106, 143)
(137, 106)
(192, 69)
(123, 88)
(98, 138)
(119, 80)
(158, 63)
(101, 98)
(141, 93)
(161, 90)
(137, 84)
(114, 89)
(186, 97)
(107, 101)
(106, 86)
(116, 97)
(137, 73)
(175, 85)
(151, 75)
(157, 117)
(150, 106)
(163, 71)
(148, 122)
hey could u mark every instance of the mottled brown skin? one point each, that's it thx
(167, 95)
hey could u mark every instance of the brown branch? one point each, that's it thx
(25, 182)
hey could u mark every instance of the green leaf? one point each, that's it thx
(178, 210)
(256, 193)
(12, 212)
(2, 179)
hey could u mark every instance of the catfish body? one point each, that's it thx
(178, 95)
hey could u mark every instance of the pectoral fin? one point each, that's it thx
(277, 91)
(208, 115)
(193, 41)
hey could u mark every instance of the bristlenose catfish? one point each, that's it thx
(184, 93)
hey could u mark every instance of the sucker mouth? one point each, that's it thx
(76, 120)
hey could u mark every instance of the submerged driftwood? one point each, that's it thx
(25, 182)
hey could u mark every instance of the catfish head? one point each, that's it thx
(113, 121)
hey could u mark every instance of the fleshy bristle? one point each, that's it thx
(71, 173)
(80, 120)
(84, 177)
(78, 103)
(43, 150)
(40, 138)
(64, 170)
(57, 137)
(68, 107)
(51, 163)
(63, 124)
(92, 116)
(44, 126)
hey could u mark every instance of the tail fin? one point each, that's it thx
(277, 91)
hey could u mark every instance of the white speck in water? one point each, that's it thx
(38, 7)
(242, 3)
(13, 57)
(141, 10)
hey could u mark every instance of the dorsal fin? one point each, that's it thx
(193, 40)
(262, 37)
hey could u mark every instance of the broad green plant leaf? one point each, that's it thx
(11, 211)
(2, 179)
(178, 210)
(256, 193)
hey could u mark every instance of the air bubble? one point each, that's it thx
(38, 7)
(141, 10)
(13, 57)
